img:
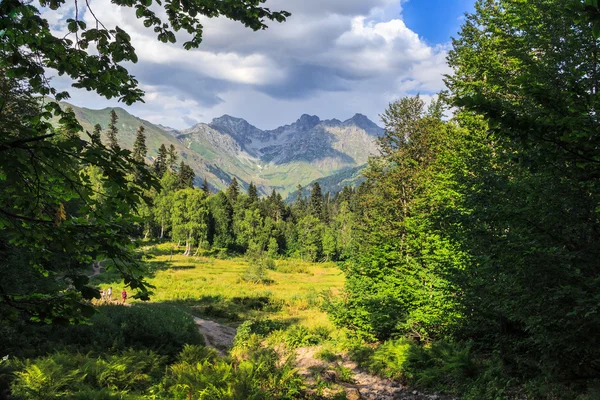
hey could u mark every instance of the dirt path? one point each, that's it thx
(217, 336)
(364, 386)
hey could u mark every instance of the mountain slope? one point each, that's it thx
(227, 147)
(333, 183)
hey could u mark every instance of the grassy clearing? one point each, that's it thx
(213, 288)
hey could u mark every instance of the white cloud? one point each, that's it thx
(332, 58)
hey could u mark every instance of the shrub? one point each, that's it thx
(257, 376)
(326, 354)
(389, 359)
(292, 267)
(441, 365)
(130, 371)
(344, 374)
(46, 378)
(300, 336)
(256, 272)
(161, 328)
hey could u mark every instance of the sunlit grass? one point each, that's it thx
(212, 287)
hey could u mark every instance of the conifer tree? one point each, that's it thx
(96, 134)
(316, 201)
(139, 146)
(185, 176)
(252, 193)
(160, 163)
(113, 131)
(205, 187)
(233, 191)
(172, 158)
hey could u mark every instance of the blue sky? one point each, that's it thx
(332, 58)
(435, 20)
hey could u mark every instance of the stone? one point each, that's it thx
(353, 394)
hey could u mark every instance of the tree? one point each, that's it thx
(529, 71)
(233, 190)
(96, 134)
(60, 215)
(185, 176)
(163, 203)
(189, 217)
(328, 244)
(205, 187)
(139, 146)
(113, 131)
(315, 204)
(54, 221)
(396, 278)
(222, 217)
(345, 225)
(171, 158)
(160, 163)
(310, 237)
(252, 193)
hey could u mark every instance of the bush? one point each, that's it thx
(258, 376)
(256, 272)
(441, 365)
(300, 336)
(389, 359)
(130, 371)
(292, 267)
(326, 354)
(161, 328)
(46, 378)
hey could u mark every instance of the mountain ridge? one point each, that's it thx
(227, 147)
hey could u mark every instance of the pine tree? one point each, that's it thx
(205, 187)
(139, 146)
(96, 135)
(316, 201)
(172, 158)
(186, 176)
(233, 191)
(113, 131)
(160, 163)
(252, 193)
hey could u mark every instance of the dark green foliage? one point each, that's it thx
(233, 190)
(205, 186)
(315, 204)
(113, 131)
(139, 146)
(64, 203)
(396, 277)
(171, 158)
(96, 134)
(161, 163)
(531, 222)
(185, 176)
(252, 193)
(161, 328)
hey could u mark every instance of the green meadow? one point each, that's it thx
(213, 288)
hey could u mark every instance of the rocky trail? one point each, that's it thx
(217, 336)
(364, 386)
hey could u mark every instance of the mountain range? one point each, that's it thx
(282, 158)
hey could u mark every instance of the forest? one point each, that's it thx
(465, 265)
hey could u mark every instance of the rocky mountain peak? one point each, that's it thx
(363, 122)
(307, 122)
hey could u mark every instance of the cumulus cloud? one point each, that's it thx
(332, 58)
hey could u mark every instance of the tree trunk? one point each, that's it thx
(162, 228)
